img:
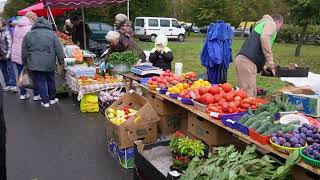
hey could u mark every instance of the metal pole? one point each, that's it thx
(54, 22)
(128, 9)
(84, 29)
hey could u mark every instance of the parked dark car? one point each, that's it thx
(99, 31)
(204, 29)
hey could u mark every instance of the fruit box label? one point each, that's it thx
(307, 105)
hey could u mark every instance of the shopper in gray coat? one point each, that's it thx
(41, 48)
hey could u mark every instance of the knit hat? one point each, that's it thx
(112, 35)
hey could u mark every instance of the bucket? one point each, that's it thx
(178, 68)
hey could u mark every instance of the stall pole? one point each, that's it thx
(84, 29)
(128, 9)
(54, 22)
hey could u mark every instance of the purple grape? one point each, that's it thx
(297, 136)
(305, 125)
(297, 146)
(274, 139)
(303, 136)
(296, 131)
(309, 140)
(304, 130)
(274, 135)
(294, 140)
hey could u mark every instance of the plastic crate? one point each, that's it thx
(230, 120)
(286, 72)
(144, 81)
(259, 138)
(308, 160)
(243, 129)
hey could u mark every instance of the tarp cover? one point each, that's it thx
(81, 3)
(40, 10)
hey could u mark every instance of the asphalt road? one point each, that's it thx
(59, 143)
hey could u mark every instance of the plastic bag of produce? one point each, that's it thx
(89, 103)
(25, 79)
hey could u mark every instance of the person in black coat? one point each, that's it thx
(3, 169)
(161, 56)
(78, 34)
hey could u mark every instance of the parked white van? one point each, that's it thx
(147, 28)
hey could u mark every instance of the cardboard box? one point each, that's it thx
(169, 124)
(163, 106)
(124, 156)
(142, 126)
(305, 101)
(208, 132)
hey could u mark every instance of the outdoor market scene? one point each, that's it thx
(181, 89)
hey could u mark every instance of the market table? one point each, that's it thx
(129, 78)
(239, 135)
(75, 86)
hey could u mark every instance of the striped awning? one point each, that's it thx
(80, 3)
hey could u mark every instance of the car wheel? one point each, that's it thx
(181, 38)
(153, 37)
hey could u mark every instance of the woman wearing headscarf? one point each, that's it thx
(161, 56)
(120, 43)
(24, 25)
(123, 25)
(5, 54)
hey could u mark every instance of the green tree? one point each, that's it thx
(12, 6)
(303, 13)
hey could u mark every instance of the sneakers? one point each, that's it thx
(56, 100)
(37, 98)
(46, 105)
(24, 97)
(6, 89)
(14, 89)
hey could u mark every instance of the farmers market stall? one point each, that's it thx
(83, 80)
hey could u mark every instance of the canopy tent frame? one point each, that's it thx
(83, 18)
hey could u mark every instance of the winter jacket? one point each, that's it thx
(161, 60)
(77, 35)
(5, 43)
(23, 27)
(125, 28)
(41, 47)
(126, 44)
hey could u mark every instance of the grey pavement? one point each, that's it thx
(59, 143)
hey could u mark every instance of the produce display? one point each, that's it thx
(184, 149)
(110, 96)
(166, 80)
(263, 121)
(189, 78)
(118, 117)
(227, 163)
(223, 99)
(200, 83)
(97, 79)
(65, 39)
(179, 88)
(312, 151)
(128, 58)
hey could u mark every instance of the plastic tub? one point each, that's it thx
(162, 91)
(282, 149)
(230, 120)
(308, 160)
(187, 101)
(259, 138)
(122, 68)
(152, 87)
(174, 96)
(199, 106)
(243, 129)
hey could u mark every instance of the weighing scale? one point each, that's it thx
(146, 70)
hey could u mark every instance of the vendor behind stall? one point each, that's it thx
(78, 33)
(68, 27)
(121, 43)
(161, 56)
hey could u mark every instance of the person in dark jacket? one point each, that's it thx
(40, 49)
(121, 43)
(78, 34)
(3, 131)
(161, 56)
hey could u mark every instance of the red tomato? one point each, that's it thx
(237, 98)
(253, 106)
(229, 96)
(237, 103)
(245, 105)
(221, 102)
(207, 99)
(203, 90)
(214, 90)
(154, 78)
(242, 94)
(217, 98)
(250, 100)
(212, 109)
(226, 87)
(241, 110)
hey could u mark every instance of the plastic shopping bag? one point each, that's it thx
(89, 103)
(25, 79)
